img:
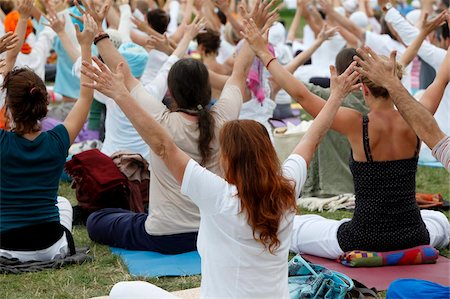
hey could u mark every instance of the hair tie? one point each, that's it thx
(33, 90)
(199, 107)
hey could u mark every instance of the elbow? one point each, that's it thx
(165, 149)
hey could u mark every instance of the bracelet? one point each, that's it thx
(100, 37)
(270, 61)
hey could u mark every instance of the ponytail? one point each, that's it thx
(206, 129)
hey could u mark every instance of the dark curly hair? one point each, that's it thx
(26, 99)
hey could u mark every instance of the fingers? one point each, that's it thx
(80, 19)
(6, 36)
(119, 68)
(425, 18)
(333, 71)
(361, 71)
(372, 55)
(77, 29)
(105, 8)
(349, 69)
(270, 22)
(100, 64)
(393, 58)
(356, 87)
(94, 74)
(80, 9)
(354, 77)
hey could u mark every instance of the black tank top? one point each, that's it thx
(386, 215)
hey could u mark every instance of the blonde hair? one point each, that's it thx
(378, 91)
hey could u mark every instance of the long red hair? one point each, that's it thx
(251, 164)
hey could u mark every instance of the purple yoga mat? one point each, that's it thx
(381, 277)
(295, 119)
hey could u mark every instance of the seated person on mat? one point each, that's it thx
(246, 218)
(35, 223)
(384, 168)
(173, 221)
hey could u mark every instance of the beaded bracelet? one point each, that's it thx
(100, 37)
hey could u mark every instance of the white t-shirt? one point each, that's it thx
(156, 60)
(120, 133)
(234, 264)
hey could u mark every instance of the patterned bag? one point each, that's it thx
(314, 281)
(308, 280)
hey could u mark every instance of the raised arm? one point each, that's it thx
(312, 16)
(300, 59)
(112, 85)
(58, 25)
(158, 86)
(345, 118)
(435, 92)
(342, 20)
(426, 28)
(382, 72)
(340, 87)
(77, 116)
(292, 33)
(109, 53)
(24, 7)
(7, 43)
(224, 6)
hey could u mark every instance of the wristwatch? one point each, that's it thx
(387, 6)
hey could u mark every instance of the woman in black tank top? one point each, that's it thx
(383, 164)
(386, 215)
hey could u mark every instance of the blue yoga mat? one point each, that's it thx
(154, 264)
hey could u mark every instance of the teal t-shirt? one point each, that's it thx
(29, 177)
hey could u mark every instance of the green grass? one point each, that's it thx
(96, 278)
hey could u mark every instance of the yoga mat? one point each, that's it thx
(381, 277)
(154, 264)
(295, 119)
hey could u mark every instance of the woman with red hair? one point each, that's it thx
(247, 216)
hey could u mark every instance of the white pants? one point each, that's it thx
(138, 290)
(58, 250)
(316, 235)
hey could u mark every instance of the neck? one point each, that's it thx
(208, 58)
(32, 135)
(378, 104)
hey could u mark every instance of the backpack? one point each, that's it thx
(308, 280)
(98, 182)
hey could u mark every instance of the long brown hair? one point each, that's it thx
(189, 85)
(252, 165)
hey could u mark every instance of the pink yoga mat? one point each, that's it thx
(381, 277)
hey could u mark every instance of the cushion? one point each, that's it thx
(424, 254)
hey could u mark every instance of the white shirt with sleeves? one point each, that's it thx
(428, 52)
(37, 59)
(120, 133)
(155, 61)
(234, 264)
